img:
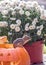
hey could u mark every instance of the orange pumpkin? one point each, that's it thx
(3, 39)
(4, 42)
(14, 56)
(8, 45)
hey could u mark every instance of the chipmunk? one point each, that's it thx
(21, 41)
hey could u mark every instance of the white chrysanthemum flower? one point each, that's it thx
(22, 4)
(21, 12)
(9, 33)
(4, 12)
(43, 17)
(1, 8)
(16, 25)
(15, 0)
(38, 9)
(42, 11)
(4, 16)
(27, 24)
(34, 26)
(33, 23)
(28, 7)
(6, 1)
(26, 28)
(12, 26)
(11, 9)
(12, 18)
(35, 20)
(3, 24)
(29, 2)
(27, 13)
(18, 21)
(7, 6)
(41, 27)
(12, 4)
(13, 12)
(17, 29)
(38, 27)
(17, 8)
(31, 27)
(35, 3)
(39, 32)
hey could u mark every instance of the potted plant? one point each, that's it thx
(19, 18)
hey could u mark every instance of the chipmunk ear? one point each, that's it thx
(26, 38)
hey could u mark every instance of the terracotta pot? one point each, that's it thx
(35, 51)
(14, 56)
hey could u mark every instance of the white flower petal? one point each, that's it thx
(21, 12)
(38, 32)
(3, 24)
(12, 26)
(18, 21)
(35, 3)
(26, 28)
(22, 4)
(38, 27)
(17, 29)
(9, 33)
(27, 13)
(35, 20)
(4, 12)
(33, 23)
(13, 12)
(12, 18)
(31, 27)
(41, 27)
(28, 7)
(27, 24)
(43, 17)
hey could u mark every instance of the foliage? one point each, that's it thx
(18, 18)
